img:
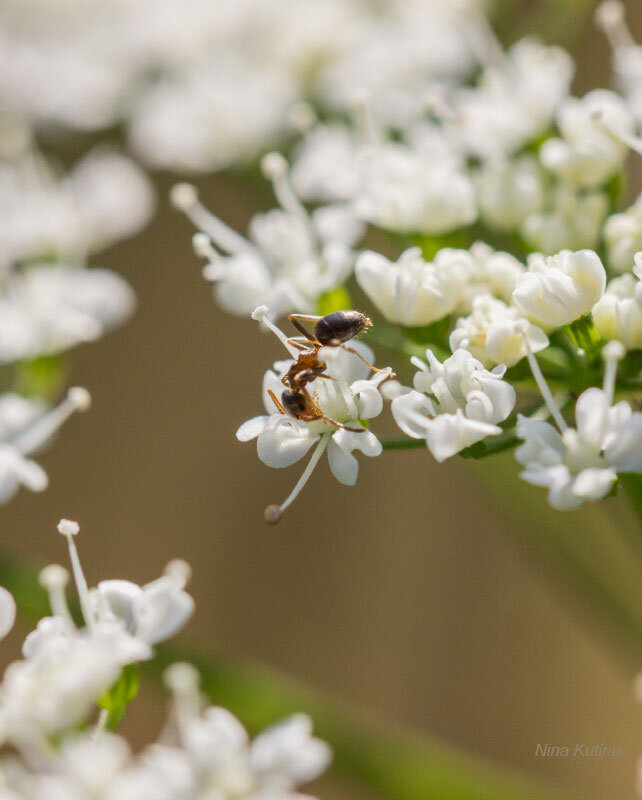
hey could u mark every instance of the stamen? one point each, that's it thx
(610, 17)
(277, 170)
(611, 353)
(183, 681)
(370, 130)
(202, 246)
(179, 571)
(77, 399)
(260, 314)
(521, 327)
(54, 580)
(184, 197)
(69, 529)
(274, 513)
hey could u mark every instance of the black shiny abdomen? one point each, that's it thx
(339, 327)
(294, 403)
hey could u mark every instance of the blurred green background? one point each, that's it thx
(420, 596)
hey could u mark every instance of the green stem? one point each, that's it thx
(632, 484)
(402, 443)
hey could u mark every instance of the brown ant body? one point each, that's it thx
(332, 330)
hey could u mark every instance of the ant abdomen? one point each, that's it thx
(294, 403)
(339, 327)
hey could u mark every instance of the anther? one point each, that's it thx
(273, 514)
(178, 570)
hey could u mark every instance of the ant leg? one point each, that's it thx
(277, 402)
(295, 341)
(327, 418)
(294, 319)
(370, 366)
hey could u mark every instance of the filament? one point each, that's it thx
(274, 513)
(185, 198)
(543, 386)
(44, 427)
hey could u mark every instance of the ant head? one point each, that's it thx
(340, 326)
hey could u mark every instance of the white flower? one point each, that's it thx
(588, 153)
(291, 257)
(408, 192)
(509, 191)
(515, 100)
(627, 55)
(103, 198)
(559, 289)
(618, 314)
(410, 291)
(481, 270)
(494, 333)
(343, 402)
(25, 426)
(582, 463)
(7, 612)
(454, 404)
(153, 612)
(47, 308)
(623, 236)
(325, 165)
(571, 219)
(221, 110)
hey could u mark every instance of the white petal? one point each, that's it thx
(7, 612)
(449, 434)
(251, 429)
(412, 411)
(593, 483)
(282, 443)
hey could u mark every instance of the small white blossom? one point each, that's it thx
(25, 426)
(410, 291)
(618, 314)
(588, 154)
(509, 191)
(408, 192)
(494, 333)
(153, 612)
(454, 404)
(582, 463)
(48, 308)
(557, 290)
(623, 237)
(480, 270)
(570, 220)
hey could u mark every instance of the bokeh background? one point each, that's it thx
(423, 595)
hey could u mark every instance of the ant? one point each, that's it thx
(332, 330)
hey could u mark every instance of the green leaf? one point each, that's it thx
(335, 300)
(116, 700)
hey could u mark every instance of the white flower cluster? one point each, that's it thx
(204, 85)
(505, 256)
(49, 701)
(49, 300)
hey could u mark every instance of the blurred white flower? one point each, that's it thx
(623, 237)
(407, 192)
(557, 290)
(153, 612)
(570, 220)
(618, 314)
(627, 55)
(105, 197)
(25, 426)
(454, 404)
(291, 257)
(481, 270)
(47, 308)
(509, 191)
